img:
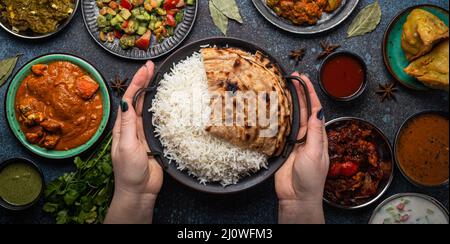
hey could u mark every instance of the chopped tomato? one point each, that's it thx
(117, 34)
(173, 11)
(170, 4)
(343, 169)
(144, 41)
(125, 24)
(170, 21)
(126, 4)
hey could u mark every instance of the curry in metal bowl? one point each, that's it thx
(35, 18)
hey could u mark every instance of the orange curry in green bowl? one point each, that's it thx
(58, 106)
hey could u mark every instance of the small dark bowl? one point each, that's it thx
(9, 206)
(384, 150)
(397, 137)
(361, 89)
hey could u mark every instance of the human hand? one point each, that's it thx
(138, 178)
(300, 181)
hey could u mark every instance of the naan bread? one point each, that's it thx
(233, 70)
(432, 69)
(421, 32)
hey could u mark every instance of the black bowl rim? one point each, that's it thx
(108, 122)
(391, 177)
(385, 42)
(399, 195)
(174, 47)
(361, 89)
(397, 138)
(182, 176)
(43, 36)
(11, 161)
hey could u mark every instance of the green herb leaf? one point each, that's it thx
(83, 196)
(430, 212)
(229, 8)
(366, 21)
(7, 67)
(50, 207)
(219, 19)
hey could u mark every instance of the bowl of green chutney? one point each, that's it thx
(21, 184)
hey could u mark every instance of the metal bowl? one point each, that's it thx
(90, 13)
(361, 89)
(397, 137)
(327, 22)
(32, 35)
(9, 206)
(390, 199)
(384, 151)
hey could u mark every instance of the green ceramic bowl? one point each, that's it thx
(11, 114)
(394, 57)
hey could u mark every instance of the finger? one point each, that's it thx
(140, 80)
(316, 125)
(303, 108)
(315, 101)
(128, 120)
(150, 66)
(116, 131)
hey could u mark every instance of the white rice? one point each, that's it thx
(184, 137)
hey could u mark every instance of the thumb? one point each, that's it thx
(128, 119)
(316, 130)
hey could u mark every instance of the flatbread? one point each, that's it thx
(421, 32)
(432, 69)
(233, 70)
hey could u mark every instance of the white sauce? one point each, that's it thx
(410, 210)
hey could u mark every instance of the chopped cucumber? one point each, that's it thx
(125, 14)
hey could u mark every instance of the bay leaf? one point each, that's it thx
(229, 8)
(366, 21)
(219, 19)
(7, 67)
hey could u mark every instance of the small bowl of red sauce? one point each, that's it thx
(343, 76)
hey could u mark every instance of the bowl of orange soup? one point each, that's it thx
(422, 149)
(58, 106)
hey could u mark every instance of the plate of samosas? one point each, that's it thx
(415, 48)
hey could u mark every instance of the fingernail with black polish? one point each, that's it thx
(123, 106)
(320, 114)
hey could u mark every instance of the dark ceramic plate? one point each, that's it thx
(156, 49)
(393, 55)
(32, 35)
(328, 21)
(157, 148)
(384, 150)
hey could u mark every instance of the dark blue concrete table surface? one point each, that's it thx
(178, 204)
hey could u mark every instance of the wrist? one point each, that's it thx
(300, 211)
(131, 207)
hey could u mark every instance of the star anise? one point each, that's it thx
(387, 91)
(119, 85)
(328, 49)
(297, 55)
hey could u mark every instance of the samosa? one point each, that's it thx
(421, 32)
(432, 69)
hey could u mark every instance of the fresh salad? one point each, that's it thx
(134, 22)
